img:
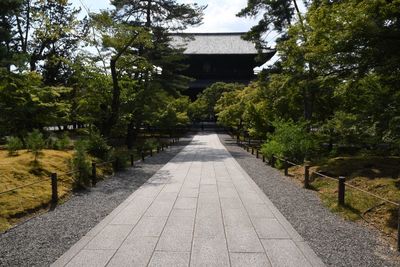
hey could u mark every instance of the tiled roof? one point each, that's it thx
(213, 43)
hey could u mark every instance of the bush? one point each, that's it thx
(290, 140)
(35, 143)
(149, 144)
(50, 141)
(146, 144)
(97, 146)
(13, 145)
(62, 143)
(123, 159)
(81, 163)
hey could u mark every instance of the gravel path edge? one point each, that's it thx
(336, 241)
(41, 240)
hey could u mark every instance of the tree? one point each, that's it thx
(230, 109)
(203, 107)
(122, 42)
(26, 104)
(56, 36)
(158, 18)
(8, 10)
(277, 15)
(339, 68)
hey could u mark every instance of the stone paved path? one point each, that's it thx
(200, 209)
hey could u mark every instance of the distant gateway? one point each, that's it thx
(217, 57)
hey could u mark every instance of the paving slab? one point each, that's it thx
(200, 209)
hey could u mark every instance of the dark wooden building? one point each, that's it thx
(217, 57)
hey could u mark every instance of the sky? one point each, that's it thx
(220, 15)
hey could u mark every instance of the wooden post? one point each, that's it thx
(54, 190)
(142, 153)
(263, 158)
(151, 152)
(341, 190)
(307, 175)
(398, 230)
(256, 152)
(252, 150)
(94, 174)
(132, 161)
(272, 161)
(116, 167)
(286, 166)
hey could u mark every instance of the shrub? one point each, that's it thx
(290, 140)
(50, 141)
(149, 144)
(13, 145)
(123, 159)
(81, 163)
(97, 146)
(62, 143)
(35, 143)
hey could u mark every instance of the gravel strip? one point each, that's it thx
(336, 241)
(43, 239)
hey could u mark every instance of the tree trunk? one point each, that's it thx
(130, 135)
(114, 114)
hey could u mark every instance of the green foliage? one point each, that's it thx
(289, 140)
(35, 143)
(198, 110)
(97, 145)
(123, 159)
(230, 108)
(175, 113)
(81, 164)
(13, 144)
(62, 143)
(149, 143)
(25, 104)
(276, 15)
(204, 106)
(336, 70)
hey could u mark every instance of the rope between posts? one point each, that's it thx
(38, 182)
(293, 164)
(104, 163)
(359, 189)
(67, 173)
(369, 193)
(22, 186)
(349, 185)
(325, 176)
(343, 183)
(287, 161)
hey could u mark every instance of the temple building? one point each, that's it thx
(217, 57)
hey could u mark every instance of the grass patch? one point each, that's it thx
(20, 170)
(378, 175)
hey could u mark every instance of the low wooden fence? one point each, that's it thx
(54, 178)
(253, 147)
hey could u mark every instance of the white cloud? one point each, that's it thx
(220, 16)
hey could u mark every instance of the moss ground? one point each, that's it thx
(20, 170)
(378, 175)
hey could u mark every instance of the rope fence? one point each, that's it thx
(341, 180)
(54, 178)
